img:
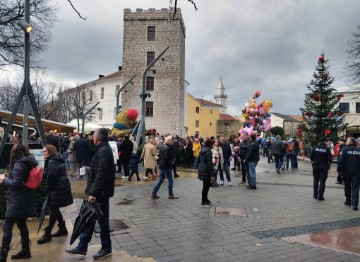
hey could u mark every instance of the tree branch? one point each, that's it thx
(73, 7)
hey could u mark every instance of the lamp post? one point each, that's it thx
(26, 93)
(83, 116)
(143, 96)
(118, 93)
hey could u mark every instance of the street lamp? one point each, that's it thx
(83, 116)
(27, 27)
(118, 93)
(143, 96)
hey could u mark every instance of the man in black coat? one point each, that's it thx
(227, 154)
(349, 166)
(126, 148)
(252, 158)
(166, 163)
(53, 140)
(100, 187)
(278, 151)
(82, 148)
(244, 148)
(321, 159)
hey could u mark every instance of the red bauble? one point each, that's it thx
(309, 114)
(327, 132)
(331, 114)
(321, 58)
(325, 77)
(317, 98)
(340, 113)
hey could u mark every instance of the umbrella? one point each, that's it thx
(43, 212)
(88, 213)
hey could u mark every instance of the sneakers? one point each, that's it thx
(278, 171)
(101, 254)
(251, 187)
(221, 182)
(347, 203)
(173, 197)
(124, 177)
(205, 204)
(321, 198)
(242, 182)
(154, 196)
(229, 183)
(176, 176)
(76, 251)
(234, 168)
(355, 208)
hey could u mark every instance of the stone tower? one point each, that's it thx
(146, 34)
(220, 97)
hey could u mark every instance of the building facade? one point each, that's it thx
(202, 117)
(349, 104)
(146, 34)
(287, 122)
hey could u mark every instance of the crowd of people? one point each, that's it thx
(100, 157)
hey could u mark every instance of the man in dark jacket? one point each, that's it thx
(82, 148)
(100, 187)
(321, 159)
(206, 171)
(126, 148)
(166, 162)
(252, 158)
(227, 154)
(53, 140)
(244, 148)
(296, 149)
(278, 151)
(349, 166)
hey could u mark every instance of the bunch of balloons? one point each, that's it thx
(256, 117)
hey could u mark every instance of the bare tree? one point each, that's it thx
(353, 63)
(42, 17)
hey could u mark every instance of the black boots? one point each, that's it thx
(3, 254)
(62, 230)
(46, 237)
(22, 254)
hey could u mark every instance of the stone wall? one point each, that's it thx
(168, 95)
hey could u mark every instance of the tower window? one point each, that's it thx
(149, 83)
(357, 107)
(197, 110)
(91, 94)
(197, 124)
(149, 109)
(151, 33)
(150, 57)
(100, 114)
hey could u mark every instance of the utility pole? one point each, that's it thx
(26, 93)
(119, 91)
(143, 96)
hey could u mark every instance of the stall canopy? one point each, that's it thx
(88, 127)
(47, 124)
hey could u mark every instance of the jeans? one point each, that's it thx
(227, 171)
(8, 225)
(244, 169)
(205, 190)
(290, 157)
(168, 174)
(279, 159)
(252, 173)
(85, 236)
(196, 163)
(320, 176)
(352, 189)
(65, 157)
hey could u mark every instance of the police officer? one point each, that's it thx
(342, 144)
(321, 159)
(349, 166)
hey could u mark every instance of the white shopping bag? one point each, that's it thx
(82, 171)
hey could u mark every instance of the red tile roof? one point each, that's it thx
(226, 117)
(207, 103)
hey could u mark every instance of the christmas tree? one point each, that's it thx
(322, 117)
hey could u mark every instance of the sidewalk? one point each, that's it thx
(241, 225)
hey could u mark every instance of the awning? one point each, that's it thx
(47, 124)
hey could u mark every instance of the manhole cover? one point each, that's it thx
(228, 211)
(115, 225)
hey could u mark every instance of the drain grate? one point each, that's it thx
(115, 225)
(228, 212)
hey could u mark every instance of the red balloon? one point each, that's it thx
(132, 114)
(321, 58)
(257, 93)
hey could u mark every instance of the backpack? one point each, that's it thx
(35, 178)
(290, 147)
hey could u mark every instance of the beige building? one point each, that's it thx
(287, 122)
(227, 126)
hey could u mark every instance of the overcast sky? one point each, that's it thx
(266, 45)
